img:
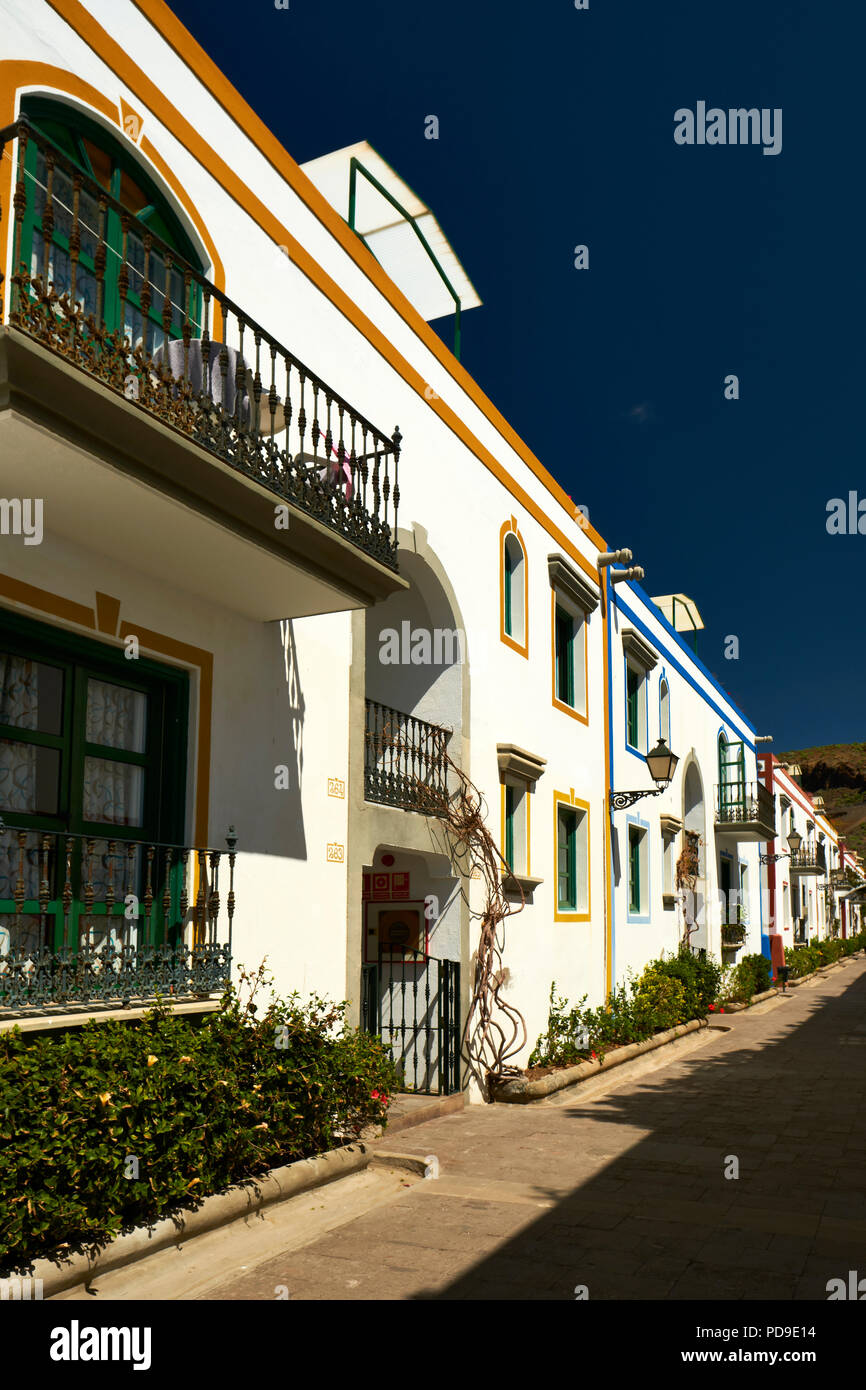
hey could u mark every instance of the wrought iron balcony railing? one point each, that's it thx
(130, 312)
(809, 859)
(404, 760)
(745, 803)
(95, 920)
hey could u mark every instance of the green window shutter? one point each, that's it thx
(509, 575)
(509, 825)
(566, 859)
(634, 886)
(633, 695)
(564, 632)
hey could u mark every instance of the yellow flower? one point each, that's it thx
(151, 1059)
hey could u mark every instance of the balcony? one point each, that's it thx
(746, 811)
(88, 921)
(809, 859)
(842, 879)
(132, 385)
(404, 761)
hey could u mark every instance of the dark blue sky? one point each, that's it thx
(556, 128)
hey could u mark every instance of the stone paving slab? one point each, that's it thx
(626, 1193)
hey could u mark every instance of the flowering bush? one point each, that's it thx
(115, 1125)
(749, 976)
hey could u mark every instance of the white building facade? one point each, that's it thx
(272, 567)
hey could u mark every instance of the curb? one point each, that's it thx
(410, 1163)
(520, 1091)
(218, 1210)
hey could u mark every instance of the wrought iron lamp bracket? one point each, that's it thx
(774, 858)
(620, 801)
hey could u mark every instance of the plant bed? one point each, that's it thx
(116, 1125)
(670, 991)
(523, 1090)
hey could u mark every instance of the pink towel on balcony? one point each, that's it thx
(334, 469)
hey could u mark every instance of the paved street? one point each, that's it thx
(627, 1194)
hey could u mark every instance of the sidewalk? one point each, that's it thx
(626, 1194)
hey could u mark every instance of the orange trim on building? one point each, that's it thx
(14, 75)
(510, 528)
(198, 62)
(556, 702)
(569, 799)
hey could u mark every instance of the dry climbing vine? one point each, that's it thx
(688, 869)
(495, 1030)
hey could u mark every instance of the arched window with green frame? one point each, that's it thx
(110, 164)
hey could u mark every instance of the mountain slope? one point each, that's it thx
(837, 771)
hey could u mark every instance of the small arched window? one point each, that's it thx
(513, 591)
(665, 712)
(112, 166)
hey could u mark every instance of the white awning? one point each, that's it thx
(389, 235)
(680, 611)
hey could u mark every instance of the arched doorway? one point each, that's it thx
(694, 849)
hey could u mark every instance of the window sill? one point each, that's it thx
(513, 883)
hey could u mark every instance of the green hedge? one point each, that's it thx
(670, 991)
(803, 960)
(751, 975)
(116, 1125)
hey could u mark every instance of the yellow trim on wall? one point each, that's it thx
(569, 799)
(15, 75)
(556, 702)
(606, 812)
(99, 619)
(150, 95)
(509, 528)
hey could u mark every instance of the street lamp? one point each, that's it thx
(662, 765)
(795, 840)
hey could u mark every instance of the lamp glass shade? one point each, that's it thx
(661, 762)
(794, 841)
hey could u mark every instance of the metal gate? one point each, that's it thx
(412, 1002)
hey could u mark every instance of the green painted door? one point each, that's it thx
(91, 746)
(110, 165)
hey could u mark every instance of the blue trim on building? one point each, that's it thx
(639, 919)
(629, 747)
(693, 657)
(652, 637)
(663, 679)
